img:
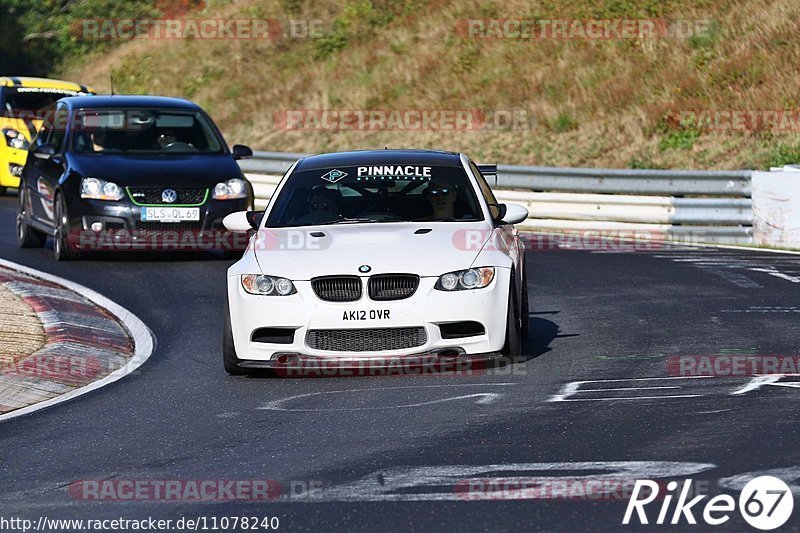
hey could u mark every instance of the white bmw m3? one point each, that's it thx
(377, 255)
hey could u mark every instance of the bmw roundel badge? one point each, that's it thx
(364, 269)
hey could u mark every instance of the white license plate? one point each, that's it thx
(170, 214)
(366, 314)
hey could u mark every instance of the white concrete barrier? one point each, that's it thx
(776, 207)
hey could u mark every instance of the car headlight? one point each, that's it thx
(267, 285)
(230, 190)
(15, 139)
(462, 280)
(15, 170)
(97, 189)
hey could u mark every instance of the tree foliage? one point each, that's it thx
(36, 36)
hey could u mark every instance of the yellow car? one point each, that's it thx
(23, 101)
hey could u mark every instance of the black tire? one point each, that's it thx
(3, 191)
(63, 250)
(526, 312)
(229, 358)
(27, 237)
(513, 344)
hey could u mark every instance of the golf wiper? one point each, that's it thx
(343, 220)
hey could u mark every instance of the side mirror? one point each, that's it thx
(513, 214)
(237, 222)
(243, 221)
(254, 218)
(241, 151)
(44, 151)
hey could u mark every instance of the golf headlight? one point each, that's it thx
(230, 190)
(462, 280)
(97, 189)
(15, 139)
(267, 285)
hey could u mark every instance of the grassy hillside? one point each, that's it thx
(615, 103)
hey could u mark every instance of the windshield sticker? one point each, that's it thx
(394, 172)
(334, 175)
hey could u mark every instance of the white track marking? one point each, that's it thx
(756, 382)
(451, 482)
(484, 398)
(723, 263)
(642, 379)
(788, 474)
(627, 388)
(735, 278)
(747, 248)
(774, 272)
(631, 398)
(573, 388)
(143, 339)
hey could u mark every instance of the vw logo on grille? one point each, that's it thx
(168, 196)
(364, 269)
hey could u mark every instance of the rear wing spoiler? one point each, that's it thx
(489, 172)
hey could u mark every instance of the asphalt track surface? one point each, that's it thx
(594, 316)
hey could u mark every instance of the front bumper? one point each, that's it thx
(121, 227)
(428, 308)
(412, 365)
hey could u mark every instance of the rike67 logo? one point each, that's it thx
(765, 503)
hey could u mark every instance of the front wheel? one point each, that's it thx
(63, 250)
(526, 311)
(27, 237)
(513, 344)
(229, 358)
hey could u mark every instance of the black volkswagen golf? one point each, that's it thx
(109, 173)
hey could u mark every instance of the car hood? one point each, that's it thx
(158, 171)
(311, 251)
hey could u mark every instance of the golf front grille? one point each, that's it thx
(153, 196)
(337, 288)
(384, 287)
(365, 340)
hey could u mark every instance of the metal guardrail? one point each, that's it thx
(709, 206)
(269, 162)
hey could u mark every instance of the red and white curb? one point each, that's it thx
(91, 342)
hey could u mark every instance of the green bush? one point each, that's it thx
(783, 154)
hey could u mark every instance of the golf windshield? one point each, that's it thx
(379, 193)
(144, 131)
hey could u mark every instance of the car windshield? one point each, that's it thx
(144, 131)
(378, 193)
(32, 102)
